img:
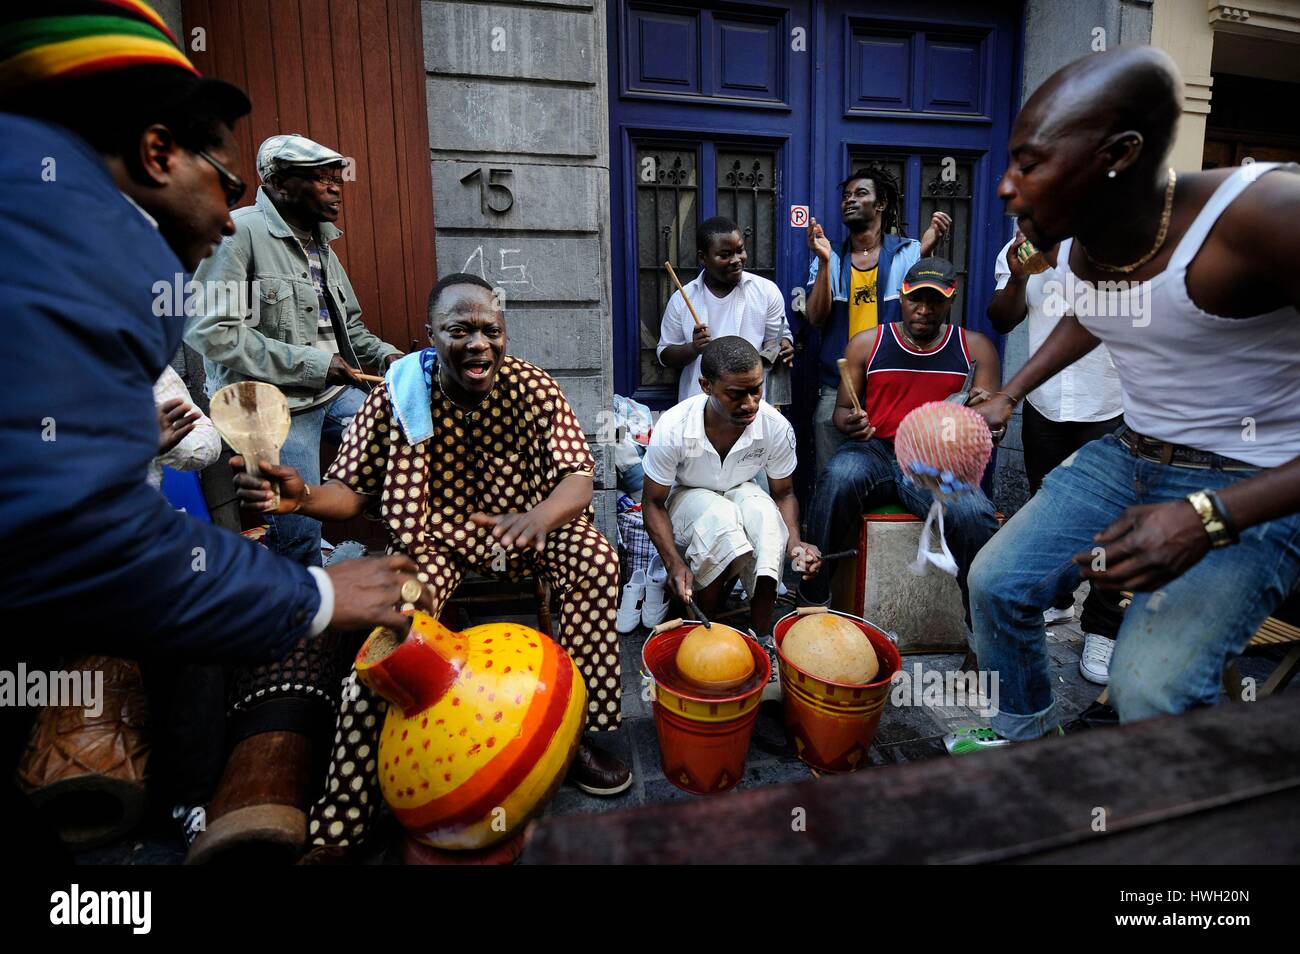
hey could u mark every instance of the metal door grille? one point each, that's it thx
(667, 212)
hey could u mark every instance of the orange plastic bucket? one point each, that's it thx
(832, 723)
(703, 739)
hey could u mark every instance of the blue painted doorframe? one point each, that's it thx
(888, 78)
(679, 75)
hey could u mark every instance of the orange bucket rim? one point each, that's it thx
(778, 640)
(760, 655)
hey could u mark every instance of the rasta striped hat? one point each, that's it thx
(77, 39)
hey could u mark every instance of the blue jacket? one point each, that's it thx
(897, 255)
(90, 555)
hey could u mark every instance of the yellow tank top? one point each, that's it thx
(862, 301)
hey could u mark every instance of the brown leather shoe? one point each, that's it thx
(328, 855)
(597, 772)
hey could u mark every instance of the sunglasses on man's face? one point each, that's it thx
(321, 178)
(234, 186)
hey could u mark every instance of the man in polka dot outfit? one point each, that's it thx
(474, 460)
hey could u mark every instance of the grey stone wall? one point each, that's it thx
(1056, 33)
(520, 87)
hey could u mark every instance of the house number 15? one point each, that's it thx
(490, 187)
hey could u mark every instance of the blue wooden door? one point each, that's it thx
(709, 116)
(748, 109)
(928, 91)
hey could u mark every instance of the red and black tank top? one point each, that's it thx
(900, 378)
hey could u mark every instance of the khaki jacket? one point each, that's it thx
(255, 309)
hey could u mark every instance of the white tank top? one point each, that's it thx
(1230, 386)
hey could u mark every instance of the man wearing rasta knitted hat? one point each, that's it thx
(117, 176)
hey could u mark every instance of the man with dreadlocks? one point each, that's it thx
(844, 301)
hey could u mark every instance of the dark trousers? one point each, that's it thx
(1047, 443)
(864, 475)
(187, 730)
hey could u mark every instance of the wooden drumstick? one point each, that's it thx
(848, 384)
(377, 379)
(677, 281)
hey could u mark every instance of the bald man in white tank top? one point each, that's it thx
(1194, 506)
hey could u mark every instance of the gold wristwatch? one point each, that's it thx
(1220, 535)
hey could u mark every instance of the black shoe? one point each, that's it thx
(1096, 716)
(328, 855)
(598, 772)
(772, 691)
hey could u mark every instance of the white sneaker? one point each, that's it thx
(1094, 664)
(654, 608)
(1053, 615)
(629, 609)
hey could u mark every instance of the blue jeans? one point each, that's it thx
(864, 475)
(1172, 647)
(295, 537)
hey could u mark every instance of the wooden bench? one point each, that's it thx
(1280, 630)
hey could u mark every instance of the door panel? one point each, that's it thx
(349, 74)
(929, 95)
(714, 96)
(666, 215)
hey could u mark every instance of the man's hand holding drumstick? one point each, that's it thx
(853, 424)
(700, 338)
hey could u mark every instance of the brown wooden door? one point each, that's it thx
(349, 74)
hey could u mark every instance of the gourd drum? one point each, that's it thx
(714, 658)
(833, 723)
(703, 735)
(480, 731)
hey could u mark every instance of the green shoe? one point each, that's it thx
(975, 738)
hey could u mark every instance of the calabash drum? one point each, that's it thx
(481, 727)
(833, 723)
(703, 736)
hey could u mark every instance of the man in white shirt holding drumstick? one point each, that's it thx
(723, 300)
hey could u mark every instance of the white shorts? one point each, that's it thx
(712, 530)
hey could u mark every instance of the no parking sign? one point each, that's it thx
(799, 216)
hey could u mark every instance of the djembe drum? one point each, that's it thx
(86, 772)
(280, 722)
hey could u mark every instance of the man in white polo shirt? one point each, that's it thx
(707, 518)
(729, 301)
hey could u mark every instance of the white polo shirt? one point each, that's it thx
(1087, 390)
(680, 453)
(755, 310)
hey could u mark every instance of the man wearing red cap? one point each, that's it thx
(894, 368)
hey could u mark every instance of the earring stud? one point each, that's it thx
(1111, 174)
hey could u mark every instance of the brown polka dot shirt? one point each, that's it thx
(507, 454)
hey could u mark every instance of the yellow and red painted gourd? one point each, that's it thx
(481, 727)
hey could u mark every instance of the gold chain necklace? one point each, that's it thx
(474, 409)
(917, 345)
(1160, 235)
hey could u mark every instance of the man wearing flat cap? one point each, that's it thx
(298, 325)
